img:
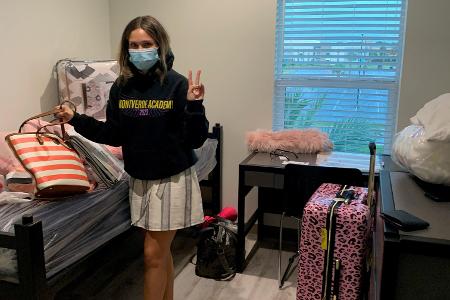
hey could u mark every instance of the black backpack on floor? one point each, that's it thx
(216, 250)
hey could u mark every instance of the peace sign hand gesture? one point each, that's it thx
(196, 90)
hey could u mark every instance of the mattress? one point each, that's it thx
(72, 228)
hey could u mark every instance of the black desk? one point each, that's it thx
(411, 265)
(260, 170)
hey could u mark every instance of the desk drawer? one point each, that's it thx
(264, 179)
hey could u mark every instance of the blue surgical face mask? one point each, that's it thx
(144, 59)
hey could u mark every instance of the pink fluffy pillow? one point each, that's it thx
(295, 140)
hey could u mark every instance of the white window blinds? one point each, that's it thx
(337, 68)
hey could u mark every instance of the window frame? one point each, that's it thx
(282, 81)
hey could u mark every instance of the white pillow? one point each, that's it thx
(434, 116)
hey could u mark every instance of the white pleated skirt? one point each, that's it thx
(166, 204)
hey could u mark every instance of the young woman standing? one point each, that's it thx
(158, 117)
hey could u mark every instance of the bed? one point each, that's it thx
(50, 244)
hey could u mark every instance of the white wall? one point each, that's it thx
(34, 35)
(233, 43)
(426, 62)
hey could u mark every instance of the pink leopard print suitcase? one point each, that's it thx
(334, 241)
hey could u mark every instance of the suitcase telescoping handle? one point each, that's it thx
(371, 182)
(327, 291)
(337, 277)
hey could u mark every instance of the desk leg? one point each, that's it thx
(240, 255)
(243, 227)
(261, 211)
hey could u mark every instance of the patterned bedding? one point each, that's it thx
(71, 227)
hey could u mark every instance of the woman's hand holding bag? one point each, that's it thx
(55, 166)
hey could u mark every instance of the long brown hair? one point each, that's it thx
(154, 29)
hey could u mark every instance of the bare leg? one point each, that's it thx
(156, 258)
(168, 295)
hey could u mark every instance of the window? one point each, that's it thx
(337, 68)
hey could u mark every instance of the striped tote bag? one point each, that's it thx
(56, 167)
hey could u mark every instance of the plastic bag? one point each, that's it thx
(428, 160)
(206, 155)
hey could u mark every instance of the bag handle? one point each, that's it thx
(55, 138)
(52, 123)
(44, 114)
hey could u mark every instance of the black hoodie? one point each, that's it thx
(154, 123)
